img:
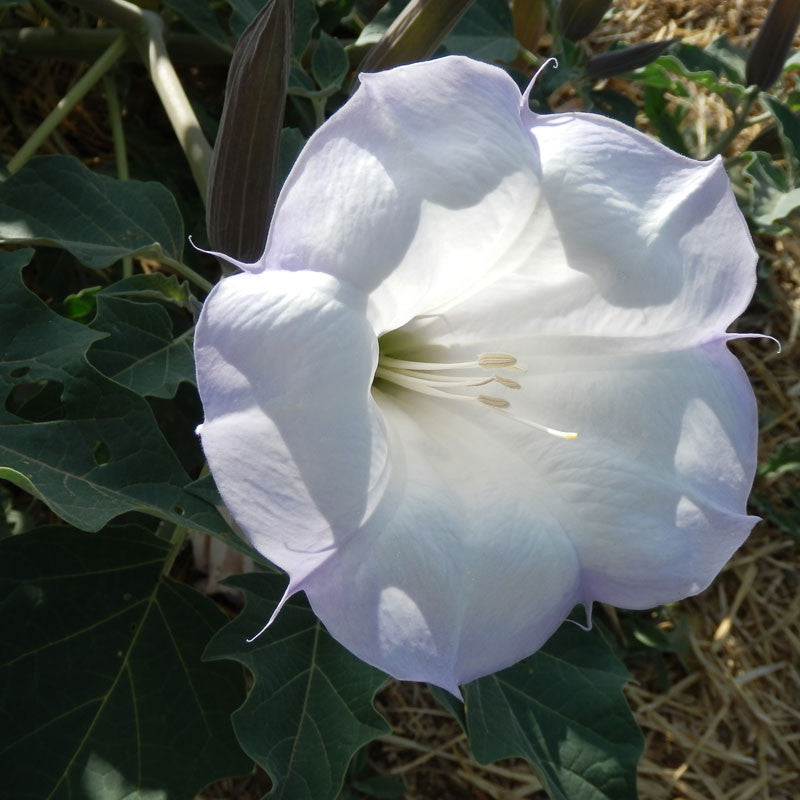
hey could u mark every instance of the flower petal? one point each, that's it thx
(653, 491)
(642, 243)
(293, 438)
(461, 570)
(414, 190)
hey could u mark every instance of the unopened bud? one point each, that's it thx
(530, 20)
(616, 62)
(244, 167)
(578, 18)
(771, 47)
(416, 33)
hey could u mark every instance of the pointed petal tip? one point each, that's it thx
(245, 266)
(291, 590)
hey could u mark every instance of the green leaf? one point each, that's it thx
(380, 23)
(485, 32)
(310, 708)
(156, 286)
(703, 67)
(788, 129)
(140, 351)
(615, 105)
(783, 513)
(97, 451)
(305, 20)
(82, 304)
(785, 459)
(105, 693)
(769, 198)
(665, 121)
(58, 202)
(329, 64)
(563, 710)
(200, 15)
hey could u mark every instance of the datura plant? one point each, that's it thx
(480, 374)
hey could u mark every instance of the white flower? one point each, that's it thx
(447, 277)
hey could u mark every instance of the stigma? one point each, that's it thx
(427, 378)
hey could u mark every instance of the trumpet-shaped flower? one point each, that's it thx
(480, 373)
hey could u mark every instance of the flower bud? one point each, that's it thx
(416, 33)
(244, 166)
(578, 18)
(530, 19)
(616, 62)
(771, 47)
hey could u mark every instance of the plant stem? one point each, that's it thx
(738, 124)
(148, 29)
(68, 102)
(186, 272)
(83, 44)
(177, 539)
(120, 151)
(175, 102)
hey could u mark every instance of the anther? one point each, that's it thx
(507, 382)
(493, 402)
(496, 360)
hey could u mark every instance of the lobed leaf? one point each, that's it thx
(105, 693)
(86, 446)
(140, 350)
(563, 710)
(58, 202)
(310, 708)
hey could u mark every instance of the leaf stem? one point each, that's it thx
(120, 150)
(186, 272)
(738, 124)
(68, 102)
(177, 538)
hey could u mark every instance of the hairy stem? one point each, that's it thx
(149, 36)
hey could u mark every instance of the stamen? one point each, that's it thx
(422, 377)
(496, 360)
(507, 382)
(453, 380)
(493, 402)
(417, 384)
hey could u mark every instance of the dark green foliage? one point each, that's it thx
(57, 201)
(105, 695)
(310, 708)
(563, 710)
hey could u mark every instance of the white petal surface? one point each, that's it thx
(462, 569)
(490, 531)
(416, 189)
(292, 436)
(643, 244)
